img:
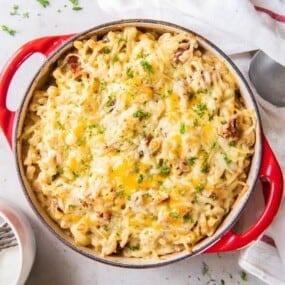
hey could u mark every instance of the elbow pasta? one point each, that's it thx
(140, 144)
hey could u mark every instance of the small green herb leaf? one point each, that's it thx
(174, 215)
(44, 3)
(205, 269)
(6, 29)
(129, 72)
(243, 276)
(134, 248)
(140, 178)
(200, 109)
(191, 160)
(188, 218)
(15, 10)
(146, 66)
(106, 50)
(164, 169)
(77, 8)
(103, 85)
(182, 128)
(200, 187)
(140, 114)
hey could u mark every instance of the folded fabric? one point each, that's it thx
(237, 18)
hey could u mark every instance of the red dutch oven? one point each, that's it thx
(264, 164)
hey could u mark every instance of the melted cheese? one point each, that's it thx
(140, 144)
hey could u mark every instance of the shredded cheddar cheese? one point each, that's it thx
(140, 143)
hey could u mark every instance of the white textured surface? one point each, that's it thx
(55, 263)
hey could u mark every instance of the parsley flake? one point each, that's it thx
(146, 66)
(182, 128)
(174, 215)
(141, 114)
(8, 30)
(243, 276)
(129, 72)
(164, 169)
(200, 109)
(44, 3)
(191, 160)
(15, 10)
(205, 269)
(140, 178)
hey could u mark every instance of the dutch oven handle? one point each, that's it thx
(45, 46)
(270, 173)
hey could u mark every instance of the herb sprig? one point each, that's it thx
(8, 30)
(75, 5)
(44, 3)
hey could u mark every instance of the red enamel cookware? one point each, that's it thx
(264, 164)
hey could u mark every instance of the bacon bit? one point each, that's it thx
(84, 203)
(106, 215)
(148, 139)
(181, 166)
(184, 45)
(213, 196)
(73, 63)
(59, 209)
(231, 131)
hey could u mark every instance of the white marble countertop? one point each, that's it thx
(55, 263)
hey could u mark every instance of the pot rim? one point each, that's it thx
(158, 24)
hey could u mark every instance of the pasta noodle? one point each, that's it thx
(140, 143)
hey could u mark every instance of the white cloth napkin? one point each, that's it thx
(236, 26)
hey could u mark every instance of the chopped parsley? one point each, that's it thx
(141, 54)
(200, 187)
(115, 58)
(26, 15)
(205, 269)
(243, 276)
(146, 66)
(122, 40)
(232, 143)
(121, 193)
(174, 215)
(188, 218)
(133, 248)
(59, 171)
(59, 125)
(8, 30)
(191, 160)
(205, 167)
(200, 109)
(103, 85)
(129, 72)
(44, 3)
(76, 8)
(182, 128)
(226, 158)
(106, 50)
(15, 10)
(140, 178)
(110, 101)
(164, 169)
(141, 114)
(75, 5)
(76, 174)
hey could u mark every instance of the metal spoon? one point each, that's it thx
(268, 77)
